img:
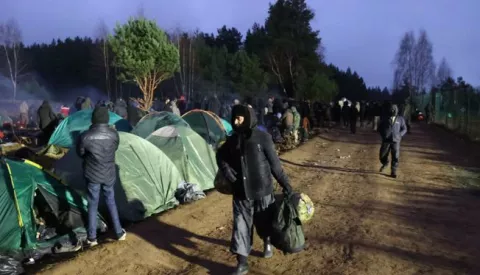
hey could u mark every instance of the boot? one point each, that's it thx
(242, 266)
(267, 248)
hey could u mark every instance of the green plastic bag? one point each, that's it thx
(287, 229)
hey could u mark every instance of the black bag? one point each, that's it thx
(287, 233)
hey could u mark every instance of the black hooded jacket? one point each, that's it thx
(392, 127)
(248, 159)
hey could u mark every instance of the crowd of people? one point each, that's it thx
(247, 159)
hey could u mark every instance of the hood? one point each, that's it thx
(248, 113)
(294, 110)
(45, 104)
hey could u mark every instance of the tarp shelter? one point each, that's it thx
(24, 186)
(152, 122)
(207, 124)
(193, 157)
(67, 132)
(227, 126)
(146, 182)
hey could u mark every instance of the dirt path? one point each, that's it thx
(424, 222)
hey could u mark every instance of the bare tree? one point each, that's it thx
(101, 34)
(11, 42)
(413, 63)
(424, 66)
(404, 61)
(443, 71)
(186, 44)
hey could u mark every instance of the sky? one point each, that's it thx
(360, 34)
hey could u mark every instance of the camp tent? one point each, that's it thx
(147, 179)
(71, 127)
(152, 122)
(227, 126)
(23, 185)
(207, 124)
(193, 157)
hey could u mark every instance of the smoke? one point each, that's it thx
(32, 89)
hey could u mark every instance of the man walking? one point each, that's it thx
(392, 128)
(97, 147)
(247, 160)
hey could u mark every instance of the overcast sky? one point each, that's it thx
(361, 34)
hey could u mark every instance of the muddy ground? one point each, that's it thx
(425, 222)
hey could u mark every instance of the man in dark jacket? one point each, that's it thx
(248, 160)
(121, 108)
(47, 121)
(392, 128)
(97, 147)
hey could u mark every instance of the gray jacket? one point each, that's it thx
(392, 131)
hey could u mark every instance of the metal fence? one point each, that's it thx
(456, 110)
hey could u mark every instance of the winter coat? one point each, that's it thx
(46, 115)
(288, 118)
(97, 147)
(121, 108)
(252, 159)
(296, 118)
(392, 130)
(24, 108)
(87, 104)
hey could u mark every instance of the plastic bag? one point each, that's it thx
(287, 233)
(10, 266)
(222, 185)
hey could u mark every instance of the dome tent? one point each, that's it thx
(193, 157)
(147, 178)
(25, 186)
(71, 127)
(154, 121)
(227, 126)
(208, 125)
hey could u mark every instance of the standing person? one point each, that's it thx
(391, 129)
(97, 148)
(354, 112)
(407, 114)
(24, 114)
(47, 121)
(247, 160)
(429, 112)
(363, 113)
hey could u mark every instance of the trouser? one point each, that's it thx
(246, 215)
(376, 120)
(93, 198)
(295, 135)
(353, 126)
(392, 148)
(408, 122)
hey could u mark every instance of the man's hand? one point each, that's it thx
(230, 174)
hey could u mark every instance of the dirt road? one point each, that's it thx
(424, 222)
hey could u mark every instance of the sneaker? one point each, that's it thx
(123, 237)
(90, 243)
(241, 269)
(393, 175)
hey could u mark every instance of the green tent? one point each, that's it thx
(194, 158)
(154, 121)
(71, 127)
(25, 186)
(147, 178)
(208, 125)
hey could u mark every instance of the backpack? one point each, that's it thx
(287, 232)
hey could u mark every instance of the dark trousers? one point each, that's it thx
(93, 198)
(392, 148)
(246, 215)
(353, 126)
